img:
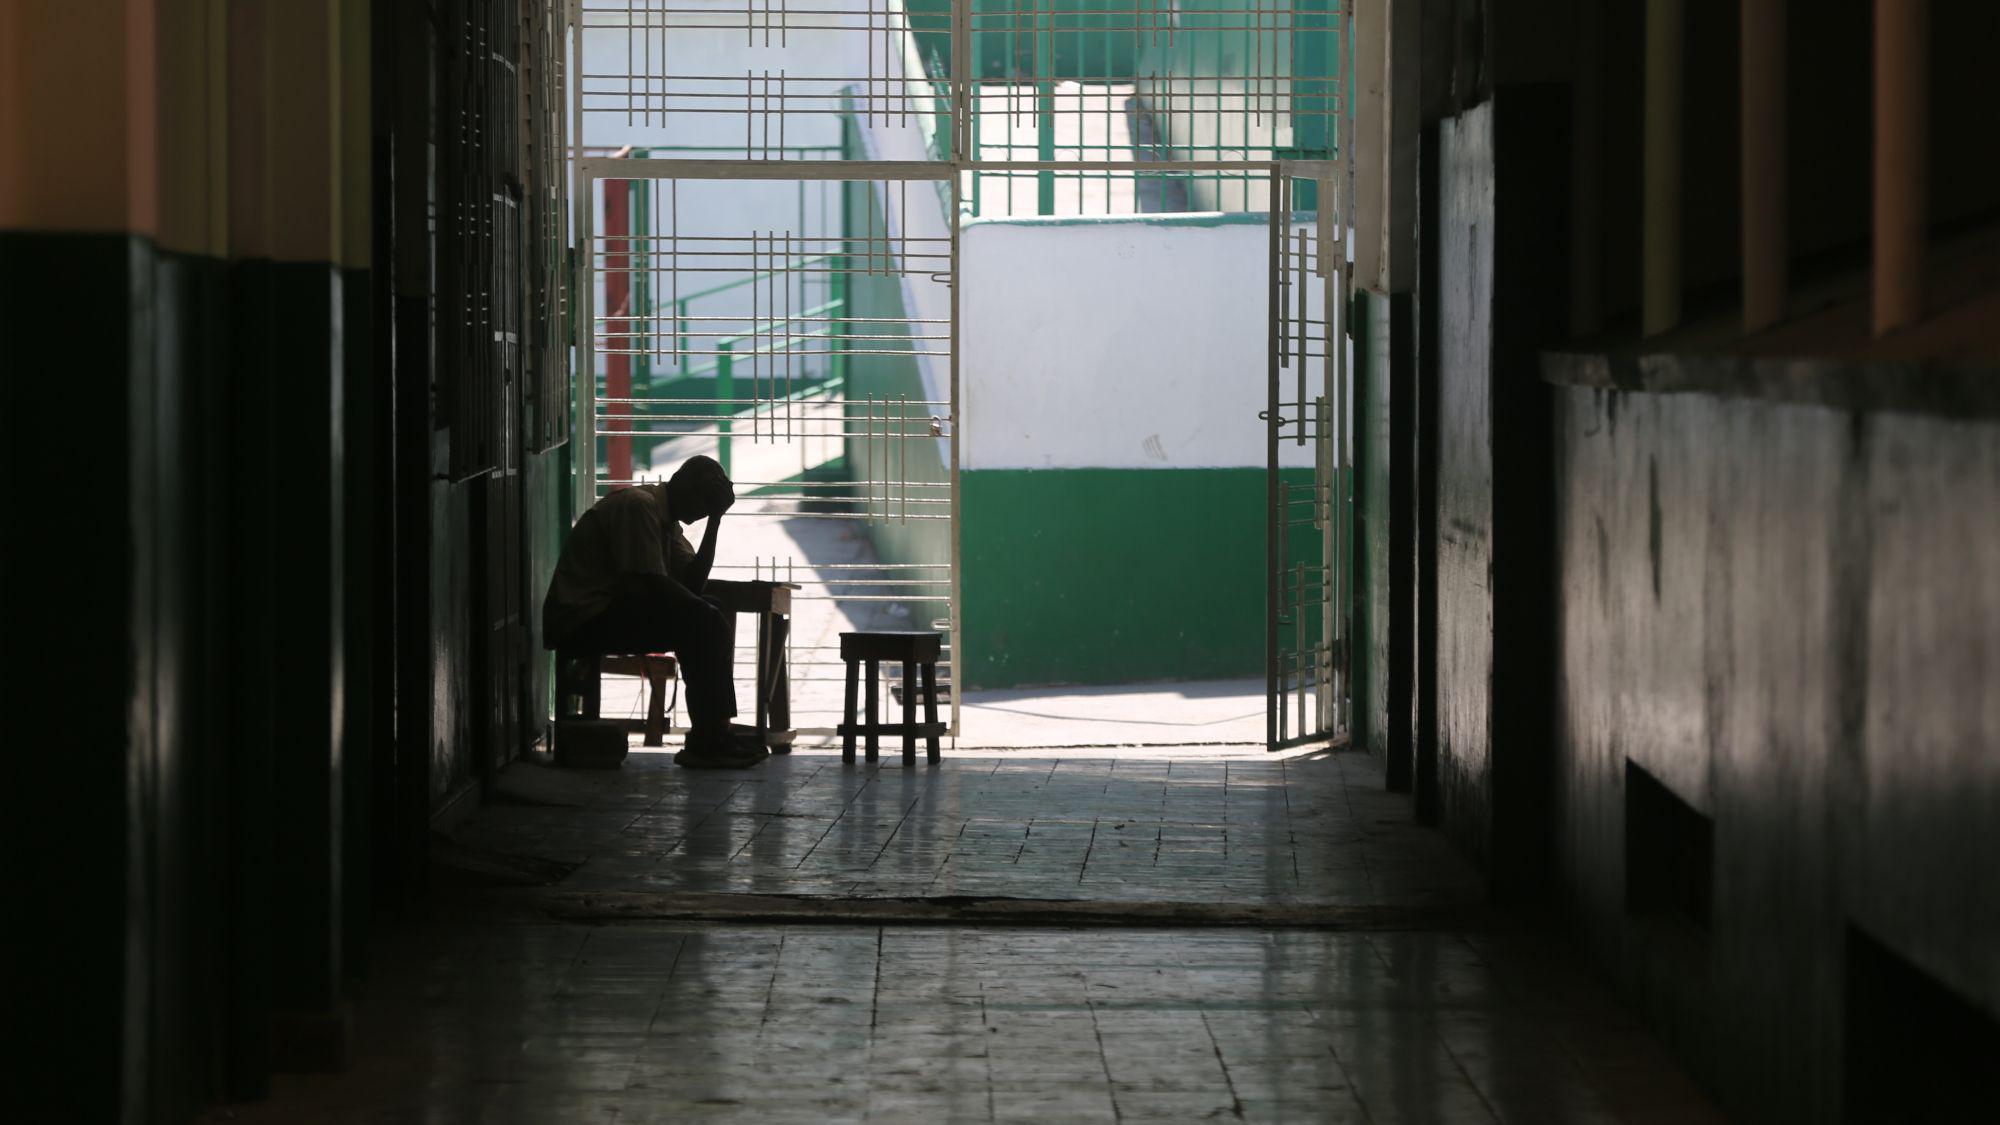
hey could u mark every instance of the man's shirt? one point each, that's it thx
(630, 532)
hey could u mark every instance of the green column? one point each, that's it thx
(1045, 116)
(725, 394)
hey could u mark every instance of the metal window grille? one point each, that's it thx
(749, 327)
(1310, 552)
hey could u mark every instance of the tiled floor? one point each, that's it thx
(508, 1016)
(1297, 831)
(672, 1023)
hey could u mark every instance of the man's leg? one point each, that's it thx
(701, 638)
(706, 648)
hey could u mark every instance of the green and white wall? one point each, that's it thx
(1113, 464)
(1112, 460)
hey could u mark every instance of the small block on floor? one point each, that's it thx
(590, 744)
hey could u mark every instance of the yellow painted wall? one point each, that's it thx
(229, 128)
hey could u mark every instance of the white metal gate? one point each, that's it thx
(750, 326)
(1309, 551)
(758, 371)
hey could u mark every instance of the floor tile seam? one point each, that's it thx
(845, 808)
(665, 983)
(705, 817)
(1228, 1079)
(763, 824)
(949, 853)
(1458, 1064)
(1291, 830)
(574, 957)
(891, 838)
(1084, 868)
(986, 1026)
(875, 994)
(1103, 1059)
(1346, 1075)
(771, 987)
(1027, 831)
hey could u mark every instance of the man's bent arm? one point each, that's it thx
(662, 585)
(704, 556)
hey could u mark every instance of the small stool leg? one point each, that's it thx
(763, 681)
(847, 733)
(569, 686)
(593, 685)
(909, 712)
(656, 707)
(930, 707)
(874, 711)
(780, 734)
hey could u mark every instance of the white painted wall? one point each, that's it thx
(1133, 344)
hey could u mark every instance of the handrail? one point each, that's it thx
(728, 343)
(753, 279)
(766, 328)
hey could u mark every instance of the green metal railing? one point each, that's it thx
(778, 335)
(1100, 81)
(691, 384)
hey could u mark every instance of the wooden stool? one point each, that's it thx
(579, 676)
(916, 650)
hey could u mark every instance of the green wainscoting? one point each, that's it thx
(1096, 576)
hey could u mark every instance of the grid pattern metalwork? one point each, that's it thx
(1309, 556)
(1070, 107)
(754, 333)
(1198, 89)
(649, 63)
(751, 334)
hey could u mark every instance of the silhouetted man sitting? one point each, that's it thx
(628, 582)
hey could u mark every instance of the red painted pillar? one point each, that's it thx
(618, 306)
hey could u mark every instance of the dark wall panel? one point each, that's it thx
(82, 667)
(1500, 294)
(450, 631)
(1786, 614)
(1375, 377)
(1464, 458)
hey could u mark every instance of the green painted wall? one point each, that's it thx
(1095, 39)
(1083, 46)
(1113, 575)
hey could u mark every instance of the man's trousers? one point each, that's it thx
(701, 639)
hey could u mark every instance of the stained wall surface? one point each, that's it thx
(1465, 479)
(1787, 614)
